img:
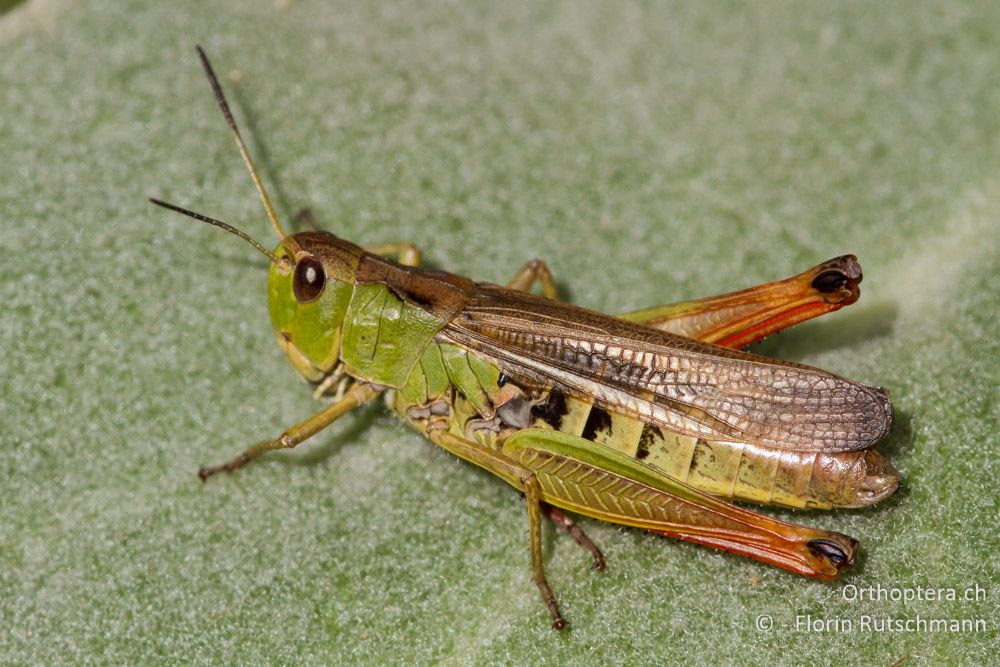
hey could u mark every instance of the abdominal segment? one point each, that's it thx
(730, 469)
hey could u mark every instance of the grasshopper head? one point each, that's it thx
(311, 278)
(309, 286)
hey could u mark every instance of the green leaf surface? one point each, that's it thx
(649, 152)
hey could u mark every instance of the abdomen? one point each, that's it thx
(455, 388)
(730, 469)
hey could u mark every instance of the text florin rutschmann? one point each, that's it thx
(866, 623)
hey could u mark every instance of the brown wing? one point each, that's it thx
(683, 385)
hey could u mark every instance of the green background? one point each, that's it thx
(648, 152)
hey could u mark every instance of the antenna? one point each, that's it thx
(218, 223)
(224, 106)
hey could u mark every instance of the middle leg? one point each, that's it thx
(408, 253)
(533, 271)
(523, 480)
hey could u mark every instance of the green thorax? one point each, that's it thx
(384, 335)
(443, 367)
(394, 314)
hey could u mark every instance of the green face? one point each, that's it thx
(307, 306)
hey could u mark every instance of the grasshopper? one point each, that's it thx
(649, 419)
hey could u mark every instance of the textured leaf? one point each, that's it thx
(648, 152)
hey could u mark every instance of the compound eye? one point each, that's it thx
(309, 279)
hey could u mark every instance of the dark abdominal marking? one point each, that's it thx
(700, 453)
(552, 410)
(646, 439)
(598, 420)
